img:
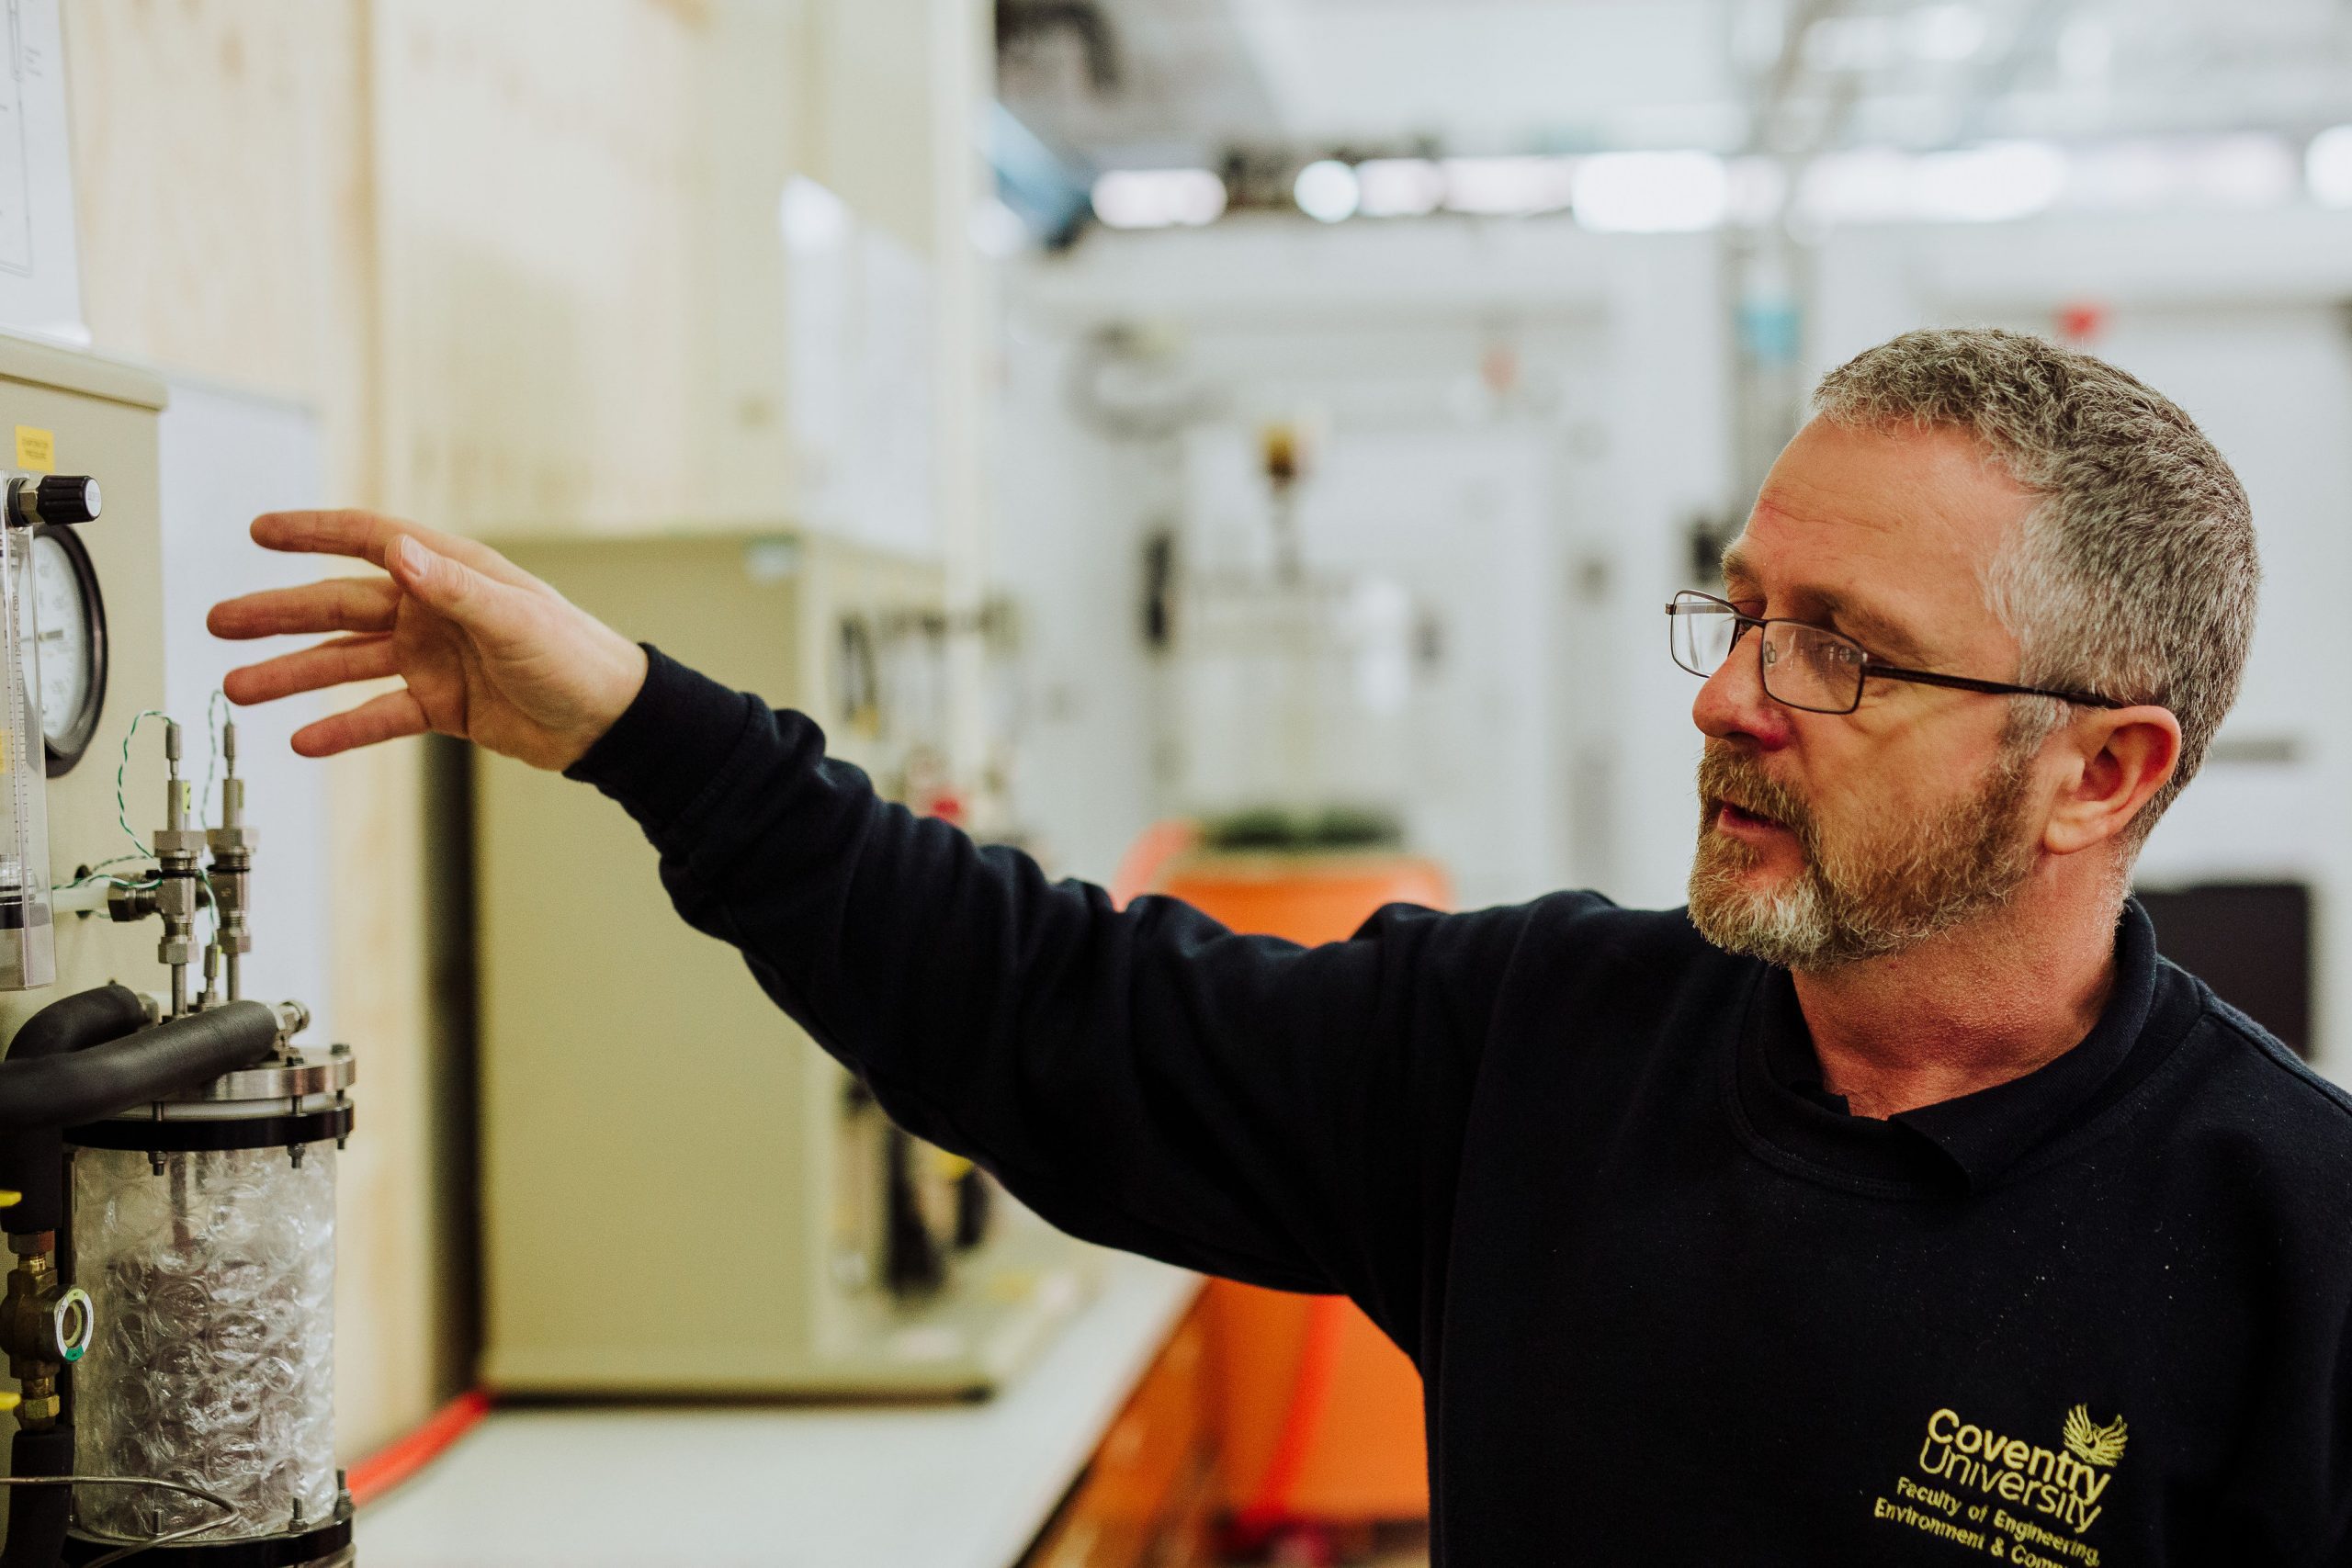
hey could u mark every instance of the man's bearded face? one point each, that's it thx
(1868, 888)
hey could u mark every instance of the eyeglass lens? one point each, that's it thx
(1805, 667)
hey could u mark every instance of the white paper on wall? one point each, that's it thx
(40, 282)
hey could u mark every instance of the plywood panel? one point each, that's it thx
(224, 187)
(540, 165)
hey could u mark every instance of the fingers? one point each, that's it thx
(492, 611)
(392, 716)
(313, 668)
(345, 532)
(369, 536)
(340, 605)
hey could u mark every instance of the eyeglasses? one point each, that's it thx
(1809, 667)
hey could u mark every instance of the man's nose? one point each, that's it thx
(1733, 702)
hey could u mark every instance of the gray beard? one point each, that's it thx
(1866, 898)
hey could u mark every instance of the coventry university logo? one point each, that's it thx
(1994, 1490)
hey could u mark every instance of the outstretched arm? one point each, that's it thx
(1141, 1077)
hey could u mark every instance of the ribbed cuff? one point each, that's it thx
(670, 744)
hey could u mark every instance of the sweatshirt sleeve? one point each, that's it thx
(1144, 1078)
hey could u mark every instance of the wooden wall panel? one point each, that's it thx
(540, 169)
(225, 197)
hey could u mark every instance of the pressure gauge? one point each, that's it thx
(73, 620)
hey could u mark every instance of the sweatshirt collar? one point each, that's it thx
(1955, 1145)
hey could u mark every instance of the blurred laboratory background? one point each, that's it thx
(1230, 447)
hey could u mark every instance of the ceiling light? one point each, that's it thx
(1648, 193)
(1399, 188)
(1327, 191)
(1992, 184)
(2250, 169)
(1509, 187)
(1159, 198)
(2328, 167)
(1871, 184)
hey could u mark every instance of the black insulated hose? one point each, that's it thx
(37, 1515)
(78, 1021)
(178, 1054)
(32, 1158)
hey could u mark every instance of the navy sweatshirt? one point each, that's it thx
(1671, 1303)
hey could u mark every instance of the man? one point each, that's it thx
(1896, 1203)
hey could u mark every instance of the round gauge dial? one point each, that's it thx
(72, 643)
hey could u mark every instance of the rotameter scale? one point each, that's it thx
(166, 1148)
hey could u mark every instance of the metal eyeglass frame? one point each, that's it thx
(1868, 666)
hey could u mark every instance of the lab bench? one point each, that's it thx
(1096, 1457)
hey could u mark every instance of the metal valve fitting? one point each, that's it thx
(45, 1326)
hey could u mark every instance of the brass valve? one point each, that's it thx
(45, 1326)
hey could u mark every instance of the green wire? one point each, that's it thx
(121, 769)
(122, 815)
(212, 710)
(123, 812)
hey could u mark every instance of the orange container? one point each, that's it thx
(1319, 1415)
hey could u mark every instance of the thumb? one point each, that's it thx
(452, 588)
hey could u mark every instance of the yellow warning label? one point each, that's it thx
(36, 449)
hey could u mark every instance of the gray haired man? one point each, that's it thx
(1894, 1204)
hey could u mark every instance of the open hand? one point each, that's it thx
(487, 652)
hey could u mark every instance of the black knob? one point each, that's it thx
(58, 498)
(67, 498)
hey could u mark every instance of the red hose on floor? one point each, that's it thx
(1310, 1395)
(377, 1473)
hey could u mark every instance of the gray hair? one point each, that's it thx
(2135, 575)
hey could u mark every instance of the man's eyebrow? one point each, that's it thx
(1874, 630)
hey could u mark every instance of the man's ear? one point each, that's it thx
(2124, 756)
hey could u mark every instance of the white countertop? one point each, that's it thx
(779, 1487)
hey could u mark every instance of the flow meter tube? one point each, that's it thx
(27, 941)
